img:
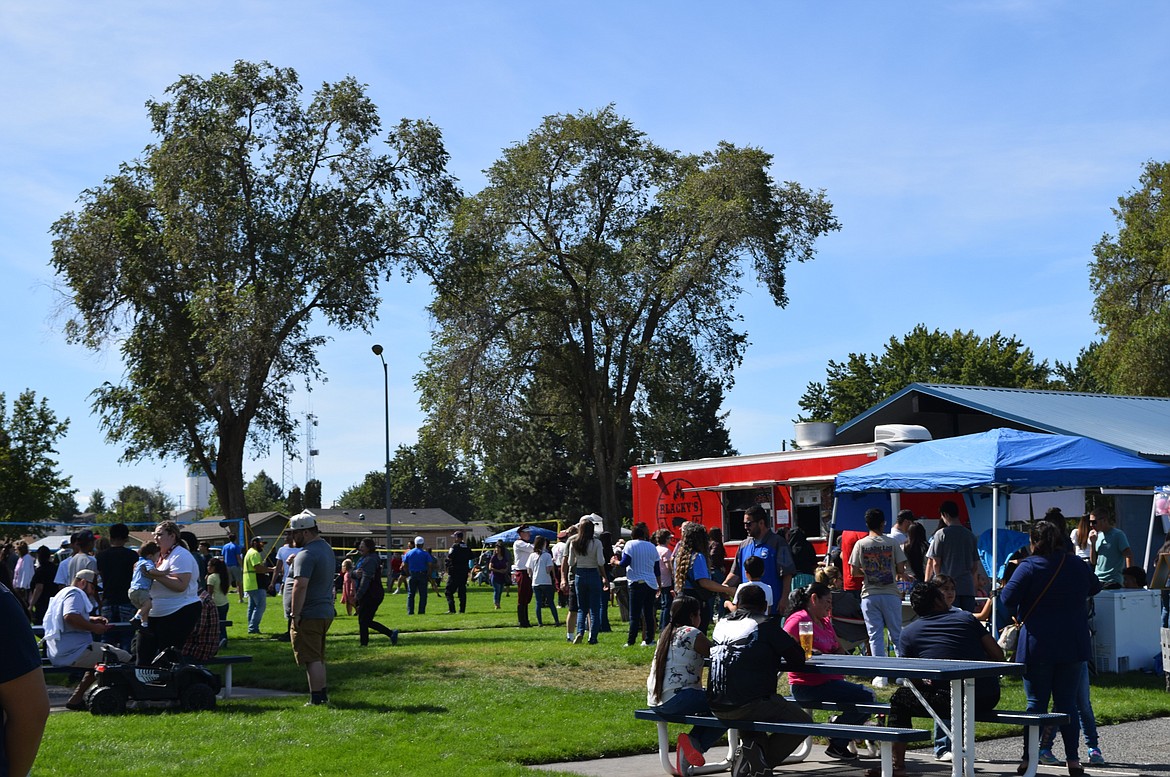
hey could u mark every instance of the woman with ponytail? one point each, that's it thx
(692, 576)
(675, 684)
(814, 603)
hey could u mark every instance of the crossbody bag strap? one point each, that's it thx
(1051, 580)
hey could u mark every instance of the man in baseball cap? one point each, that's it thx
(311, 610)
(70, 628)
(419, 565)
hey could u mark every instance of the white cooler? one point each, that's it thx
(1128, 626)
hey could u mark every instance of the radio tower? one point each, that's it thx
(310, 448)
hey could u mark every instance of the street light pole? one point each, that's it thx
(377, 349)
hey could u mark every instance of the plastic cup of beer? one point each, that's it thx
(806, 638)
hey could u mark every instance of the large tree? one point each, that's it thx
(208, 260)
(1130, 275)
(31, 486)
(922, 356)
(681, 415)
(589, 246)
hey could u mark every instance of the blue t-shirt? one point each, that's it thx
(18, 653)
(139, 581)
(231, 554)
(417, 560)
(775, 564)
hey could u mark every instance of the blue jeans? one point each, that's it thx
(665, 601)
(498, 591)
(119, 612)
(257, 603)
(881, 612)
(1088, 721)
(417, 583)
(1166, 608)
(588, 588)
(641, 612)
(544, 598)
(223, 613)
(693, 701)
(1059, 682)
(839, 691)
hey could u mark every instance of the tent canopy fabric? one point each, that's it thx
(511, 535)
(1011, 459)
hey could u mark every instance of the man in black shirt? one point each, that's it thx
(458, 566)
(115, 564)
(748, 652)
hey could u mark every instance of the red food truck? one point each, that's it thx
(795, 486)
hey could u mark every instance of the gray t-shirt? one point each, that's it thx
(316, 562)
(878, 558)
(955, 551)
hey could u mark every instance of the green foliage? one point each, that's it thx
(313, 495)
(1086, 374)
(209, 260)
(680, 413)
(296, 501)
(31, 486)
(421, 475)
(263, 494)
(589, 246)
(1130, 276)
(922, 356)
(97, 502)
(136, 504)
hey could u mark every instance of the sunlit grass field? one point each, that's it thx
(460, 695)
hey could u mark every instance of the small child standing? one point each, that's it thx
(140, 584)
(754, 567)
(348, 586)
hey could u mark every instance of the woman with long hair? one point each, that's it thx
(1048, 595)
(370, 594)
(1080, 538)
(587, 560)
(540, 566)
(218, 581)
(692, 576)
(915, 547)
(675, 684)
(814, 603)
(500, 570)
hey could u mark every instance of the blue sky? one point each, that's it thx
(973, 152)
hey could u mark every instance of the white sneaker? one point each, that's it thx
(946, 755)
(880, 682)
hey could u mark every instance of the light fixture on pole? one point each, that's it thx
(377, 349)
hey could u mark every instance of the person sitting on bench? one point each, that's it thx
(941, 632)
(69, 631)
(748, 652)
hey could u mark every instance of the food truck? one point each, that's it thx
(794, 486)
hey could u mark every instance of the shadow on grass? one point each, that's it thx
(408, 709)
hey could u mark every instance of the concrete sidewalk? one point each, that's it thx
(1132, 749)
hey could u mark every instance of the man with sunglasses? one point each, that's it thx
(70, 628)
(773, 549)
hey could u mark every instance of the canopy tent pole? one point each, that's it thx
(1150, 532)
(994, 559)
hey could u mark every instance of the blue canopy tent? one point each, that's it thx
(1004, 460)
(511, 535)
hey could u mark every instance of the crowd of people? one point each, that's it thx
(757, 601)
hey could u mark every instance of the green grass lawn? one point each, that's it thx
(459, 695)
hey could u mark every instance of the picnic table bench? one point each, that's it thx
(886, 736)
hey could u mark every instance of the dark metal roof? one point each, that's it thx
(1140, 425)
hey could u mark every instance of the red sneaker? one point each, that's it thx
(687, 755)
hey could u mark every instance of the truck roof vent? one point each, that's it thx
(815, 434)
(897, 436)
